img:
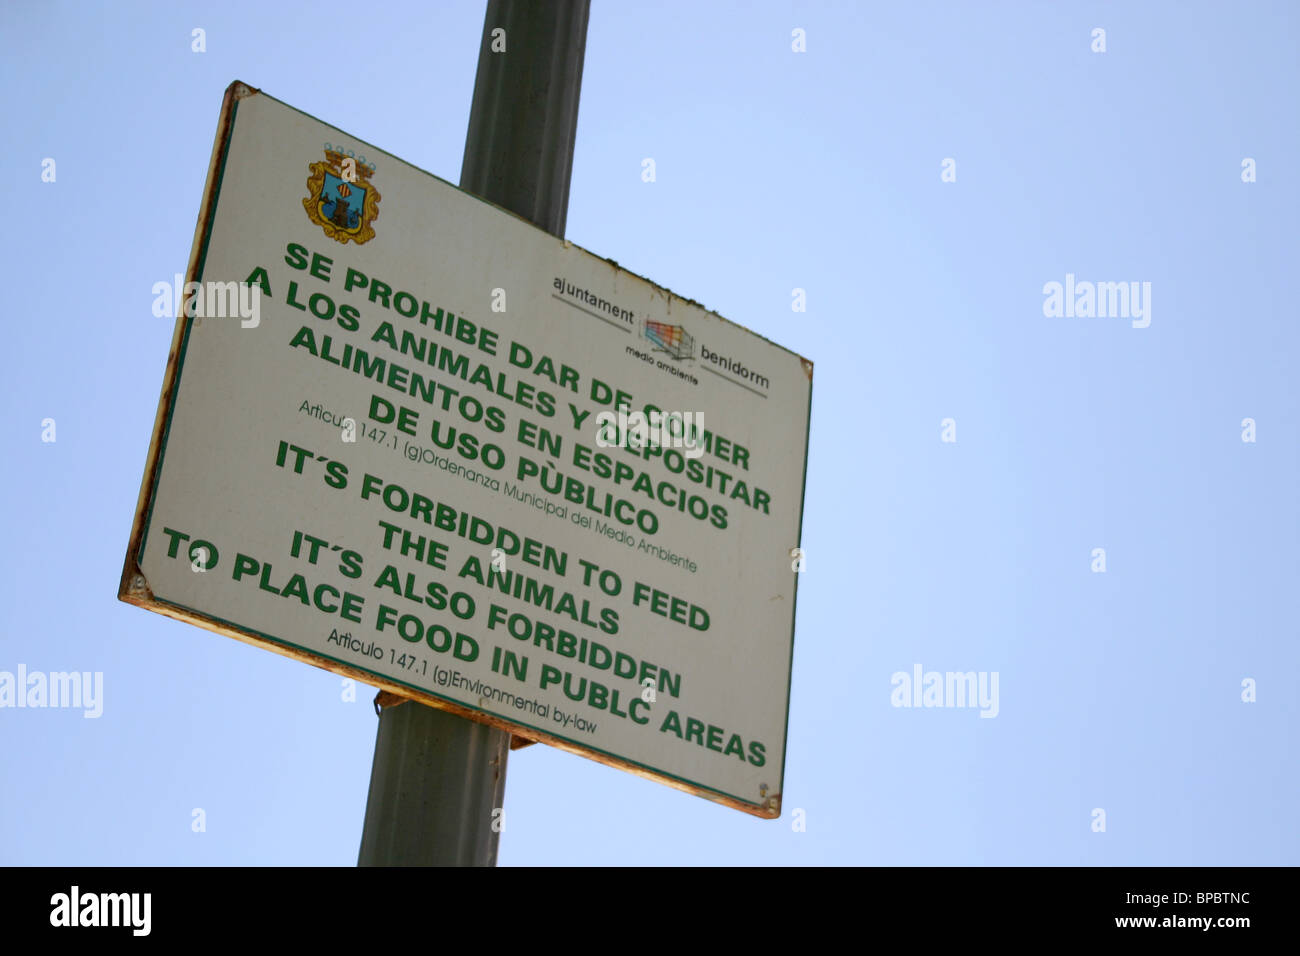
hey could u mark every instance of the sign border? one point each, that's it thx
(134, 589)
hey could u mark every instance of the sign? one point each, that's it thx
(410, 438)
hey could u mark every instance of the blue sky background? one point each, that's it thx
(775, 170)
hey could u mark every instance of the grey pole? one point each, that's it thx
(437, 778)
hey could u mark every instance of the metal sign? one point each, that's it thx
(412, 439)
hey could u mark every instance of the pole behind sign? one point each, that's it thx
(437, 786)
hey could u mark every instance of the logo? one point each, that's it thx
(673, 339)
(340, 198)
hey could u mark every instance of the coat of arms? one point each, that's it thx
(340, 198)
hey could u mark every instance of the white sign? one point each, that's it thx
(413, 439)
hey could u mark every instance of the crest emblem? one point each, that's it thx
(340, 198)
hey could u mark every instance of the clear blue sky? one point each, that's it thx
(821, 170)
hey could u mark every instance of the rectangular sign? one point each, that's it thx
(410, 438)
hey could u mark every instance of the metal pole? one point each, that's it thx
(437, 778)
